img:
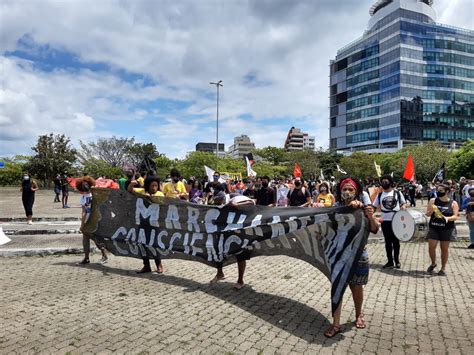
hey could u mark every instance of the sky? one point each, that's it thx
(97, 69)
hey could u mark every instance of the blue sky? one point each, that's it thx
(92, 69)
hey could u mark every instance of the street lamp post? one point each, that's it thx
(219, 83)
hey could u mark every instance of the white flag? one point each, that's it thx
(3, 238)
(378, 170)
(250, 171)
(391, 174)
(210, 174)
(340, 170)
(321, 176)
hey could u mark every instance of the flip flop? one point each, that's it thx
(238, 286)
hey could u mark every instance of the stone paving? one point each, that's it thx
(51, 305)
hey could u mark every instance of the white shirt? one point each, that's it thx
(388, 205)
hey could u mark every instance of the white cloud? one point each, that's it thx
(273, 57)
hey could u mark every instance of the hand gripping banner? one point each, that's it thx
(331, 239)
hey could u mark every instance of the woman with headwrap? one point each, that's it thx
(349, 193)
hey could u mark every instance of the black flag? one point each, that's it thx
(440, 175)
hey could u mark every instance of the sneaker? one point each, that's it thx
(398, 265)
(103, 260)
(441, 273)
(388, 265)
(84, 262)
(471, 246)
(431, 268)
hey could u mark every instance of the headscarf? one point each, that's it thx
(349, 181)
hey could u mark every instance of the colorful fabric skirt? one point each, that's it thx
(361, 274)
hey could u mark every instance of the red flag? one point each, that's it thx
(409, 173)
(297, 171)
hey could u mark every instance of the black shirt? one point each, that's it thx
(297, 197)
(265, 196)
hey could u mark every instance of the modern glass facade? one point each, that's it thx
(407, 80)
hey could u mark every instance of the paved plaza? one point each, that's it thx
(50, 304)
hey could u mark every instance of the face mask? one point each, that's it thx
(347, 195)
(26, 177)
(265, 184)
(297, 183)
(175, 179)
(322, 190)
(441, 194)
(386, 185)
(216, 178)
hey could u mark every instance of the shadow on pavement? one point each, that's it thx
(282, 312)
(419, 274)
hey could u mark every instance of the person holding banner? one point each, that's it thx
(84, 186)
(151, 187)
(443, 212)
(390, 201)
(349, 192)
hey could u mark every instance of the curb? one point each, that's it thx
(41, 219)
(42, 252)
(40, 231)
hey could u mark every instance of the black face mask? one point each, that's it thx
(175, 179)
(386, 185)
(441, 194)
(297, 183)
(265, 184)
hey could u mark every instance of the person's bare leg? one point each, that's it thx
(358, 297)
(241, 268)
(336, 323)
(432, 250)
(444, 254)
(219, 275)
(29, 219)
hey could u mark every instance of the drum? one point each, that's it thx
(410, 225)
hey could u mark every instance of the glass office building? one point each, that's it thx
(407, 80)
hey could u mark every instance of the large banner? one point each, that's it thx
(331, 239)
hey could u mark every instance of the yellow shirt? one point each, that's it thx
(140, 190)
(325, 199)
(174, 189)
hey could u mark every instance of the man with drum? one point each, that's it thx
(390, 201)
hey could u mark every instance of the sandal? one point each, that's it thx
(360, 322)
(238, 286)
(431, 268)
(332, 331)
(217, 279)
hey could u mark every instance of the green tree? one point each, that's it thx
(113, 151)
(359, 164)
(427, 158)
(273, 155)
(307, 160)
(137, 152)
(193, 164)
(11, 173)
(163, 165)
(54, 155)
(462, 162)
(96, 167)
